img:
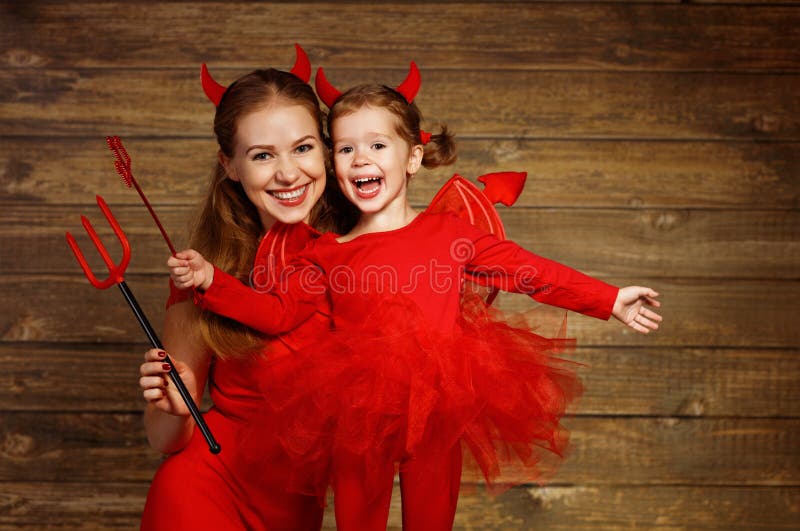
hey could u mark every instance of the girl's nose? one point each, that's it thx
(360, 158)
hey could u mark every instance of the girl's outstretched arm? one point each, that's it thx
(506, 265)
(631, 307)
(272, 310)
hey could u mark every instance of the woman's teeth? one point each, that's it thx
(289, 194)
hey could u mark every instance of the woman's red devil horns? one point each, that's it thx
(214, 91)
(302, 66)
(408, 88)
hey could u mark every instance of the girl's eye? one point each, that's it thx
(305, 148)
(262, 156)
(378, 145)
(345, 150)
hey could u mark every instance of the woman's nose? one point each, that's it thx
(287, 171)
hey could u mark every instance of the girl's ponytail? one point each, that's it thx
(440, 150)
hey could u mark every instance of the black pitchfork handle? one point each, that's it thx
(213, 446)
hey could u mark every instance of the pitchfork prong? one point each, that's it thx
(87, 226)
(85, 266)
(116, 271)
(123, 240)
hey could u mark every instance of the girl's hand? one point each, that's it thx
(157, 388)
(188, 269)
(631, 308)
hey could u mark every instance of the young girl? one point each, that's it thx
(410, 373)
(269, 182)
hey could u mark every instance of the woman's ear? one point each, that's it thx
(227, 165)
(414, 159)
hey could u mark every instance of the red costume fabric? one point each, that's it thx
(194, 489)
(413, 368)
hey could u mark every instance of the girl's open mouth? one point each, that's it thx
(367, 187)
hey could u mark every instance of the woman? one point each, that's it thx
(268, 185)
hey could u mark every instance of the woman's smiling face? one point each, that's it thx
(279, 159)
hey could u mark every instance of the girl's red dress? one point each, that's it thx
(413, 365)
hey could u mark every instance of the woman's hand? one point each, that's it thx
(188, 269)
(157, 388)
(631, 307)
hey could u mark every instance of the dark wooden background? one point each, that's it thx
(662, 142)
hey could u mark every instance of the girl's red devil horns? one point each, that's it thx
(214, 91)
(408, 88)
(326, 92)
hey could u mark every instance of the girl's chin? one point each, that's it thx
(366, 207)
(367, 201)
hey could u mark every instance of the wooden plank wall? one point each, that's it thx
(662, 141)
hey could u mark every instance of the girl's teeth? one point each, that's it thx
(360, 182)
(367, 186)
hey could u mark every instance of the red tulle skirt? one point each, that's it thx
(396, 387)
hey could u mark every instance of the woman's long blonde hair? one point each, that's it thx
(228, 228)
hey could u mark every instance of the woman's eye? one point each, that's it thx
(305, 148)
(261, 156)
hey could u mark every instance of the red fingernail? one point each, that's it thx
(161, 354)
(166, 367)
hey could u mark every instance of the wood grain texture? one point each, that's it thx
(787, 3)
(513, 104)
(661, 140)
(620, 243)
(76, 378)
(94, 447)
(678, 507)
(567, 173)
(698, 313)
(618, 381)
(689, 382)
(472, 35)
(69, 506)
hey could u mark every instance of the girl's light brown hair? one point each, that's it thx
(439, 151)
(228, 228)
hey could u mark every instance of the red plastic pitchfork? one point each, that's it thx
(116, 276)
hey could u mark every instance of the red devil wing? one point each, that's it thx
(460, 197)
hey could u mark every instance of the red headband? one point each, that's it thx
(214, 91)
(408, 89)
(329, 94)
